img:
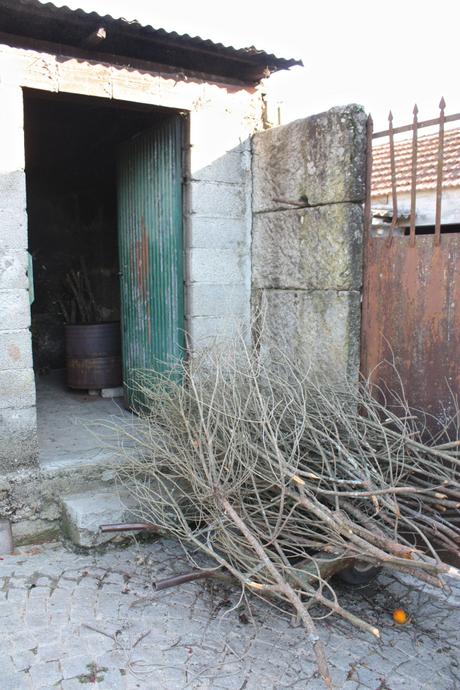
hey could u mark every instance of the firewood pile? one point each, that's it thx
(283, 480)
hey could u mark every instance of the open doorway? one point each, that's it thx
(72, 146)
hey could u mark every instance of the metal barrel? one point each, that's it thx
(93, 355)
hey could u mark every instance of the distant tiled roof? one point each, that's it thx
(427, 161)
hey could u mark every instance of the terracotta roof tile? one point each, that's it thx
(427, 159)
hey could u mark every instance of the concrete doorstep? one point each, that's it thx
(84, 513)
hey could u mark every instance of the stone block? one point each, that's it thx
(17, 388)
(15, 349)
(84, 513)
(18, 439)
(217, 199)
(318, 330)
(13, 270)
(319, 160)
(14, 309)
(218, 266)
(314, 248)
(219, 233)
(112, 392)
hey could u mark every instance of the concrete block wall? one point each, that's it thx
(18, 445)
(307, 258)
(219, 221)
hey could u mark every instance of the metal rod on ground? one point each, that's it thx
(129, 527)
(177, 580)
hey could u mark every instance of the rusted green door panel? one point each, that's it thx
(151, 253)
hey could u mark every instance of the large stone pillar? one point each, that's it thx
(308, 194)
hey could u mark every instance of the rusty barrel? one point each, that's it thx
(93, 355)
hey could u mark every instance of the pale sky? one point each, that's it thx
(382, 55)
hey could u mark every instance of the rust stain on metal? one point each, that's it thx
(411, 317)
(413, 193)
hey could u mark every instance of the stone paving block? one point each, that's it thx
(15, 681)
(45, 675)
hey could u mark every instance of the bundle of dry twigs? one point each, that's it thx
(79, 304)
(282, 480)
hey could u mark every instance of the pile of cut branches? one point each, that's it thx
(282, 480)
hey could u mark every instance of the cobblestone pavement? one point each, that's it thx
(70, 621)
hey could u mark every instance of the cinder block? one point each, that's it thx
(112, 392)
(218, 300)
(12, 106)
(320, 160)
(13, 215)
(11, 129)
(217, 199)
(18, 439)
(225, 167)
(14, 309)
(319, 331)
(315, 248)
(13, 190)
(15, 350)
(206, 331)
(13, 270)
(214, 132)
(219, 266)
(13, 229)
(17, 388)
(218, 233)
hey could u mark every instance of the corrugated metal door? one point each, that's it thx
(151, 252)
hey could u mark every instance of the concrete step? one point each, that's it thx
(83, 514)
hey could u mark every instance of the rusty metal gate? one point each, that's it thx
(411, 297)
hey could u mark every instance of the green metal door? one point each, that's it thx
(151, 253)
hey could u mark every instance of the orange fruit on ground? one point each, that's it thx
(400, 616)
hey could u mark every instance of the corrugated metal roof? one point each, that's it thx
(46, 22)
(427, 162)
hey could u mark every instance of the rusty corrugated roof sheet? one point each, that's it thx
(31, 19)
(427, 160)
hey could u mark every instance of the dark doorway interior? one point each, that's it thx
(71, 172)
(71, 163)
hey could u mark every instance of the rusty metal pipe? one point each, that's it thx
(129, 526)
(177, 580)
